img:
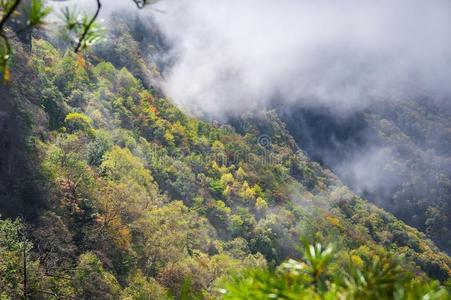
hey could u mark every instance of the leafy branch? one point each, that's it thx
(5, 52)
(88, 27)
(83, 27)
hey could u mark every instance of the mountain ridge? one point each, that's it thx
(135, 192)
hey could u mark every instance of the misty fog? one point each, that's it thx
(339, 57)
(235, 55)
(329, 68)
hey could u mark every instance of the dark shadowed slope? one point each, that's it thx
(395, 154)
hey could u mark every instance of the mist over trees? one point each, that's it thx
(109, 190)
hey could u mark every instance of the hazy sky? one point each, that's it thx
(237, 55)
(233, 55)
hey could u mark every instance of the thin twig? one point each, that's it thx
(140, 3)
(88, 27)
(53, 294)
(8, 46)
(8, 14)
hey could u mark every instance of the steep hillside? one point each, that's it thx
(394, 153)
(121, 194)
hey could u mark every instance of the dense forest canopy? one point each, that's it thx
(108, 190)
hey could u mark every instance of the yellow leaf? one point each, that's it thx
(6, 74)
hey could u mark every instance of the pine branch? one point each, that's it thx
(88, 27)
(3, 21)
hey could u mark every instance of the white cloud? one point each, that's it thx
(234, 55)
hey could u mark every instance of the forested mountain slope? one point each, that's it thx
(397, 154)
(123, 196)
(394, 153)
